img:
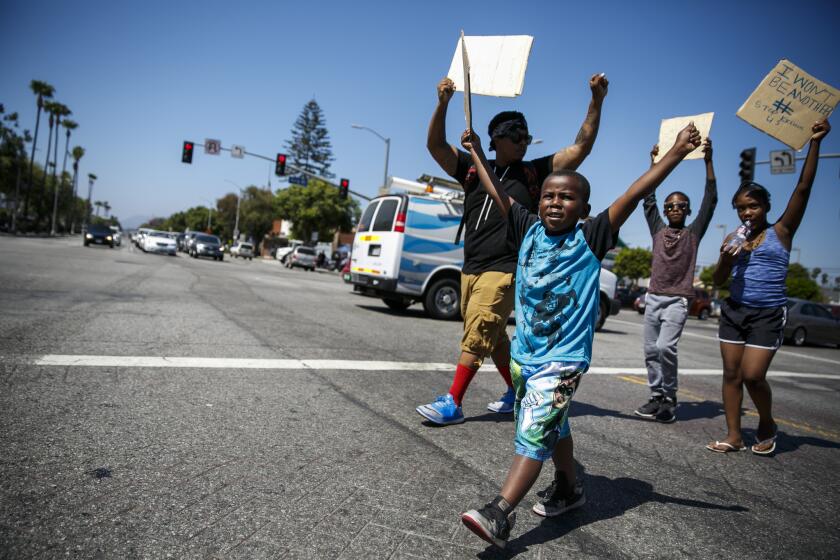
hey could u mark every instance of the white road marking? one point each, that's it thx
(715, 339)
(371, 365)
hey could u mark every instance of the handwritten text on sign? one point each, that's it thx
(787, 102)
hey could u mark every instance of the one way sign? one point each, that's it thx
(782, 161)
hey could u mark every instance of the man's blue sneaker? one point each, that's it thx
(442, 411)
(505, 402)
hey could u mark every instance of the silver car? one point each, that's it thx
(303, 257)
(809, 322)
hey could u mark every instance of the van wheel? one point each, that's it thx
(603, 312)
(396, 304)
(703, 315)
(443, 299)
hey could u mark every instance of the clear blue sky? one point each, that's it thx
(142, 77)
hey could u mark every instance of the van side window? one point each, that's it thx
(367, 217)
(385, 217)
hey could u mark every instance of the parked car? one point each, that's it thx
(242, 250)
(280, 253)
(140, 236)
(627, 295)
(701, 305)
(205, 245)
(117, 235)
(809, 322)
(97, 234)
(303, 257)
(159, 242)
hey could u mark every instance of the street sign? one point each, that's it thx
(237, 151)
(212, 147)
(302, 180)
(314, 236)
(782, 161)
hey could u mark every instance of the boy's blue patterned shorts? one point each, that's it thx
(541, 410)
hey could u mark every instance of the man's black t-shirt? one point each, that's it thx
(486, 243)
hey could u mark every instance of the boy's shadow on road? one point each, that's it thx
(606, 498)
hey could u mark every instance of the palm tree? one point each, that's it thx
(42, 90)
(98, 205)
(49, 107)
(60, 111)
(68, 125)
(78, 153)
(106, 207)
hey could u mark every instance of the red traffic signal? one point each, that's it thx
(343, 188)
(280, 166)
(187, 152)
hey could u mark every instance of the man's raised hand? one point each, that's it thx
(470, 141)
(598, 83)
(687, 140)
(445, 90)
(653, 153)
(820, 129)
(707, 150)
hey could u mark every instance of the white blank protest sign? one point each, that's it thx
(497, 64)
(669, 129)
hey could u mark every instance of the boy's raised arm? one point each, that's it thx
(471, 143)
(572, 156)
(445, 155)
(687, 140)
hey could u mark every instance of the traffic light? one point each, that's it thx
(186, 153)
(343, 188)
(747, 165)
(280, 167)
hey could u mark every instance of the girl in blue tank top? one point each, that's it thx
(753, 318)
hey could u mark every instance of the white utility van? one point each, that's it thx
(404, 252)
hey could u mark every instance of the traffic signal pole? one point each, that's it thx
(295, 170)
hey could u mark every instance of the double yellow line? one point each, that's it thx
(688, 395)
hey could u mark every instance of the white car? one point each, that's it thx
(117, 235)
(243, 250)
(159, 242)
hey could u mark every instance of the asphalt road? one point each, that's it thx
(155, 407)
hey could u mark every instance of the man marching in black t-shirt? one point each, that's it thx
(487, 277)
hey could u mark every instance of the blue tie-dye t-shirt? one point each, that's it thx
(557, 287)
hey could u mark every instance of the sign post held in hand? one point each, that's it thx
(787, 102)
(465, 59)
(669, 129)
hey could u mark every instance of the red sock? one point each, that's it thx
(505, 372)
(463, 376)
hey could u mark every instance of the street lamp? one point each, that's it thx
(238, 198)
(387, 149)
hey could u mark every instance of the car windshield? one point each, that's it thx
(305, 251)
(207, 239)
(159, 234)
(246, 246)
(99, 230)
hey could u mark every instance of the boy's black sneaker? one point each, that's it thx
(651, 408)
(667, 411)
(490, 524)
(557, 499)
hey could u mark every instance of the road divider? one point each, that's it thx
(359, 365)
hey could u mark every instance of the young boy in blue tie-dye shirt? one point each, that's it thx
(557, 299)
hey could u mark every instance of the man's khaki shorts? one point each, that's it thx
(486, 303)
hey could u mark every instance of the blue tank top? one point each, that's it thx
(758, 276)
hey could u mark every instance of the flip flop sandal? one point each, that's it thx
(771, 441)
(724, 447)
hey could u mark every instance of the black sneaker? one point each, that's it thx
(651, 408)
(490, 524)
(667, 411)
(557, 499)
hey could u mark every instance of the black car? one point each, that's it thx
(204, 245)
(98, 234)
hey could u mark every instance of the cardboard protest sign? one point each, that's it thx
(497, 64)
(787, 102)
(467, 90)
(669, 129)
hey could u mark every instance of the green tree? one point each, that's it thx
(257, 211)
(824, 279)
(815, 272)
(316, 207)
(801, 285)
(633, 263)
(42, 90)
(310, 146)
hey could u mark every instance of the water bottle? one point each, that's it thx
(740, 237)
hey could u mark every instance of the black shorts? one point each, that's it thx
(759, 327)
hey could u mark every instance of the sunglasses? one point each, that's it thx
(518, 136)
(676, 205)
